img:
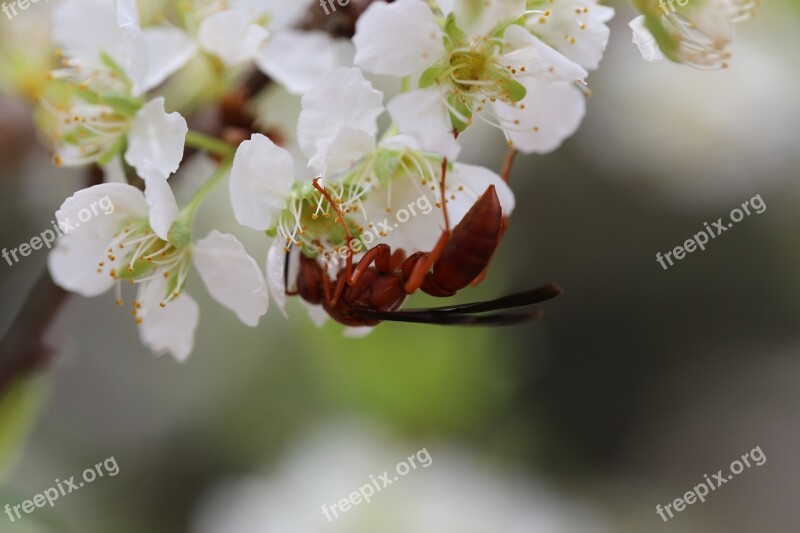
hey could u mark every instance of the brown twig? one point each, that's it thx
(23, 349)
(508, 162)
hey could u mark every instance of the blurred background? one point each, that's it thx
(636, 383)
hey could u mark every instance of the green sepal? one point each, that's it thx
(303, 189)
(667, 42)
(457, 123)
(454, 32)
(516, 90)
(117, 148)
(180, 234)
(386, 164)
(430, 77)
(122, 103)
(114, 66)
(89, 96)
(172, 285)
(140, 268)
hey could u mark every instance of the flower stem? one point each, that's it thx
(202, 193)
(508, 162)
(390, 132)
(209, 144)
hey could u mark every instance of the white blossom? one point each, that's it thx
(481, 62)
(143, 242)
(365, 179)
(697, 33)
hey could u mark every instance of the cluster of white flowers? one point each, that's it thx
(519, 65)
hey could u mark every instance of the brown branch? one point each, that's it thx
(23, 349)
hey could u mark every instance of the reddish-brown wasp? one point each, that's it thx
(373, 290)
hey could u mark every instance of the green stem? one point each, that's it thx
(210, 144)
(202, 193)
(390, 132)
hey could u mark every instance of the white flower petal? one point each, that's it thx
(123, 202)
(471, 181)
(423, 115)
(357, 332)
(232, 277)
(423, 223)
(276, 259)
(94, 216)
(168, 50)
(159, 196)
(253, 40)
(84, 36)
(316, 313)
(341, 151)
(171, 329)
(132, 56)
(539, 60)
(73, 265)
(282, 14)
(341, 99)
(297, 59)
(552, 113)
(645, 41)
(111, 29)
(156, 137)
(400, 39)
(231, 36)
(127, 13)
(479, 19)
(401, 142)
(584, 46)
(447, 6)
(261, 182)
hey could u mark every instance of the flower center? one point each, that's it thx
(90, 108)
(142, 258)
(468, 67)
(312, 224)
